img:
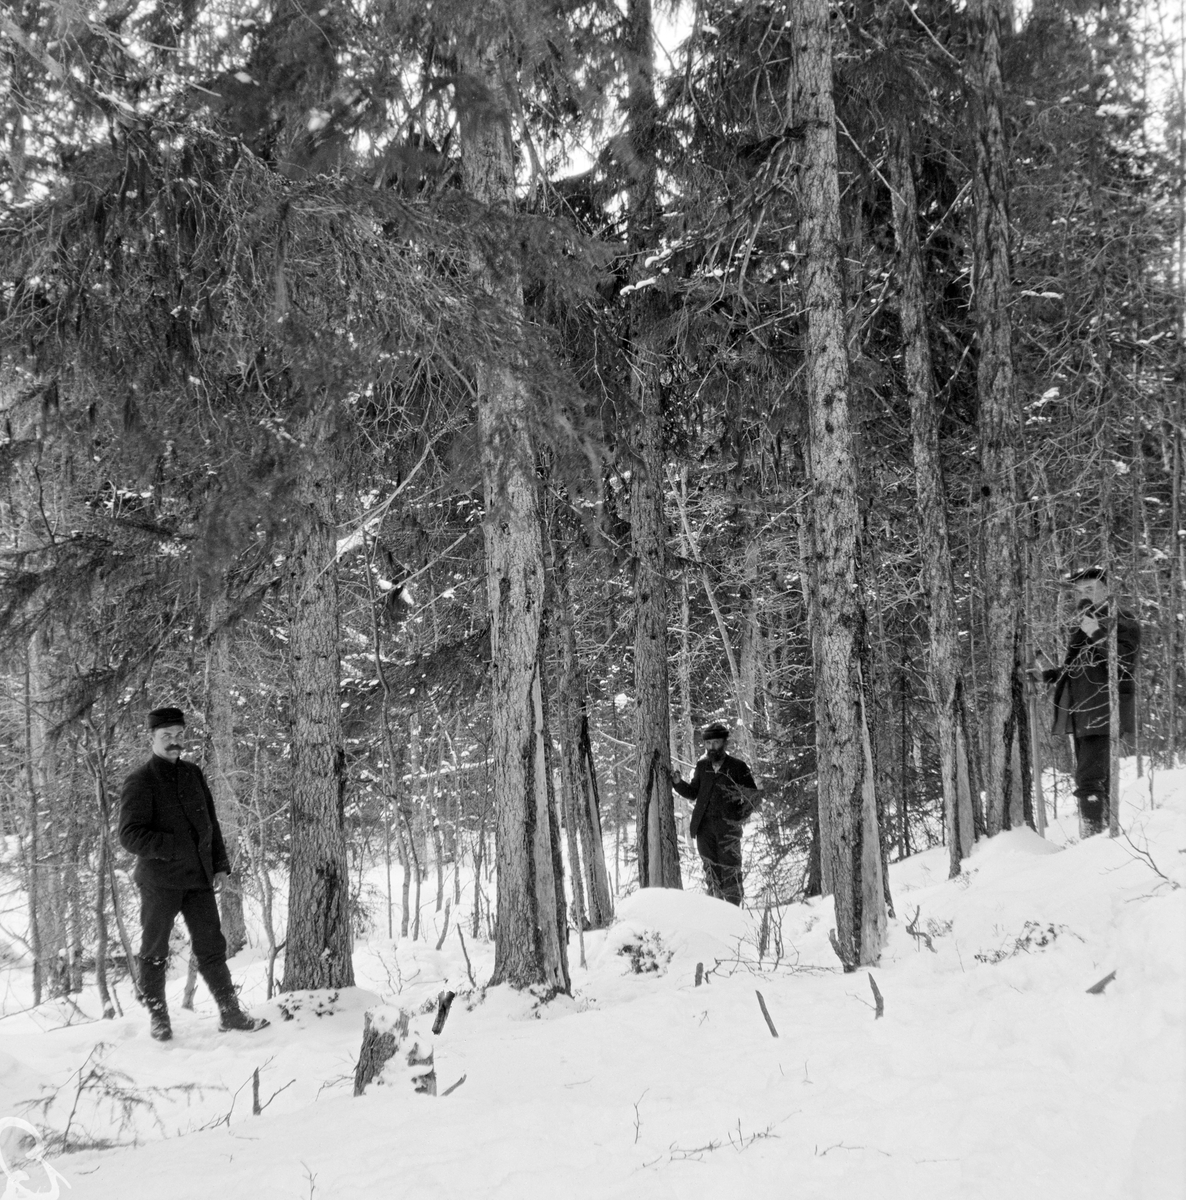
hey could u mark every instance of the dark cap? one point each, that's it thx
(165, 716)
(714, 730)
(1086, 575)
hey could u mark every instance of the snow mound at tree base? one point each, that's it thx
(676, 930)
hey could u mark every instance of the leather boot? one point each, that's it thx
(1091, 816)
(222, 988)
(152, 996)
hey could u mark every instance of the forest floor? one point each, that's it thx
(993, 1073)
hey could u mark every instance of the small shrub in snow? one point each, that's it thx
(1033, 936)
(317, 1004)
(648, 955)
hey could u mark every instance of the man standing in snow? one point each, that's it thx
(167, 820)
(726, 796)
(1081, 706)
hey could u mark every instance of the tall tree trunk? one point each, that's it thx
(577, 774)
(943, 677)
(47, 915)
(749, 650)
(850, 840)
(658, 843)
(220, 768)
(999, 420)
(529, 932)
(318, 950)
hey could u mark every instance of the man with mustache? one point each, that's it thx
(726, 796)
(167, 820)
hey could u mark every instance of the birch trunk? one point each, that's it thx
(848, 803)
(318, 950)
(529, 932)
(943, 677)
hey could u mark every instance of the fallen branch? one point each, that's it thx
(453, 1086)
(880, 1010)
(1097, 988)
(766, 1014)
(699, 974)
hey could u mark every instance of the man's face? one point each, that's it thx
(715, 748)
(1090, 592)
(168, 741)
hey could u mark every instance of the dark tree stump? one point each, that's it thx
(382, 1032)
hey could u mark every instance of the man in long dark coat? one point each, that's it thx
(726, 796)
(167, 820)
(1081, 707)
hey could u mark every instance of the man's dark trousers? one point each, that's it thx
(719, 843)
(1093, 769)
(159, 908)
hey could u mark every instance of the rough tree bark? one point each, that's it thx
(999, 420)
(658, 844)
(47, 909)
(220, 767)
(943, 677)
(529, 944)
(318, 950)
(577, 779)
(850, 841)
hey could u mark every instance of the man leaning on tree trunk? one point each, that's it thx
(167, 820)
(1081, 706)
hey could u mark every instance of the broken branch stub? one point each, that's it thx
(444, 1004)
(766, 1014)
(877, 997)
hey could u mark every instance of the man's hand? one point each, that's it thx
(1089, 625)
(220, 879)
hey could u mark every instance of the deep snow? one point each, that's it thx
(993, 1073)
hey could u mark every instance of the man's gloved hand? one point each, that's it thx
(220, 879)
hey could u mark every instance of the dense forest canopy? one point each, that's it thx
(453, 407)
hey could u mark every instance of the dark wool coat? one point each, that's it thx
(719, 794)
(167, 819)
(1081, 697)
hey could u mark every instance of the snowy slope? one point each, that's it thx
(992, 1074)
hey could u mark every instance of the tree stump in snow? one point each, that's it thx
(420, 1060)
(388, 1032)
(383, 1030)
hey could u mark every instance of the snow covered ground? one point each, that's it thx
(992, 1074)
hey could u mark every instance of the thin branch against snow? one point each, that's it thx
(1141, 854)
